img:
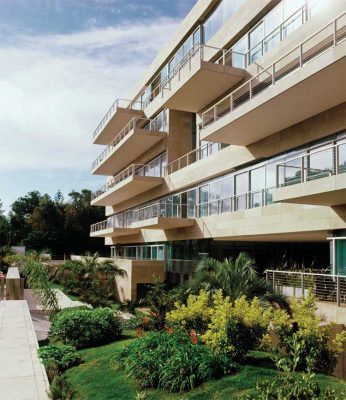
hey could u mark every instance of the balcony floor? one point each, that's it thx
(317, 86)
(114, 125)
(328, 191)
(114, 232)
(136, 143)
(126, 189)
(163, 223)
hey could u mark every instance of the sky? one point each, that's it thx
(62, 64)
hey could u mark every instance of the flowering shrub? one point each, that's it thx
(172, 361)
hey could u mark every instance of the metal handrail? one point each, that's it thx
(271, 74)
(140, 123)
(325, 287)
(192, 157)
(119, 103)
(305, 169)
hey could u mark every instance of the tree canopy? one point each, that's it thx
(39, 221)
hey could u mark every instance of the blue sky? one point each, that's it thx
(63, 63)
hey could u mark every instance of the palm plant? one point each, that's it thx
(235, 277)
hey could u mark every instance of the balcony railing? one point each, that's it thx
(321, 41)
(326, 287)
(132, 170)
(159, 209)
(228, 57)
(135, 123)
(193, 156)
(317, 164)
(254, 199)
(119, 103)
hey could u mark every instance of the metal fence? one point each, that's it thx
(326, 287)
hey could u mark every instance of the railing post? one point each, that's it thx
(302, 284)
(215, 115)
(336, 159)
(274, 288)
(334, 33)
(224, 57)
(301, 55)
(338, 302)
(302, 178)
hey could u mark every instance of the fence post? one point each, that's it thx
(302, 284)
(338, 291)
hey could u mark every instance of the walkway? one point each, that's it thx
(22, 376)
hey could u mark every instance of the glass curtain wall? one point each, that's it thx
(279, 23)
(155, 167)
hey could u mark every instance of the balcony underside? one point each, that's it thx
(197, 87)
(329, 191)
(126, 189)
(318, 86)
(163, 223)
(120, 118)
(114, 232)
(137, 142)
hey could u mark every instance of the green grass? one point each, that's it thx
(96, 380)
(61, 287)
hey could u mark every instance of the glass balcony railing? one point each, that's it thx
(136, 123)
(324, 39)
(317, 164)
(119, 103)
(193, 156)
(227, 58)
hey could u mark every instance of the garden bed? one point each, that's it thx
(94, 379)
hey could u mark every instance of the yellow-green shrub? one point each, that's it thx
(305, 327)
(195, 315)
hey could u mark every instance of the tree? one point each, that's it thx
(236, 278)
(93, 280)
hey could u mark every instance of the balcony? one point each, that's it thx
(138, 136)
(161, 215)
(132, 181)
(120, 113)
(317, 178)
(195, 82)
(112, 227)
(281, 95)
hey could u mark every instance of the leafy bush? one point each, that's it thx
(62, 355)
(226, 326)
(60, 389)
(172, 362)
(84, 327)
(304, 327)
(195, 315)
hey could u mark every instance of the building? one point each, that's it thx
(234, 139)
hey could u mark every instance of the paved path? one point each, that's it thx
(22, 376)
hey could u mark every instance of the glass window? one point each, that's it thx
(257, 177)
(242, 183)
(191, 203)
(203, 200)
(270, 175)
(273, 19)
(227, 187)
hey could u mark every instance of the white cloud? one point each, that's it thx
(55, 89)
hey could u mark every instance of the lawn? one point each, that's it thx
(61, 287)
(96, 380)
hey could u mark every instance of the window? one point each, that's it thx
(214, 197)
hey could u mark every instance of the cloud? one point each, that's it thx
(55, 89)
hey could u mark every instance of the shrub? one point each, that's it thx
(195, 315)
(172, 362)
(85, 327)
(62, 355)
(60, 389)
(304, 327)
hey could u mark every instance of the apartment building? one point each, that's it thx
(234, 139)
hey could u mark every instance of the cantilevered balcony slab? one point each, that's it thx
(195, 85)
(114, 232)
(328, 191)
(133, 145)
(126, 189)
(163, 223)
(113, 122)
(317, 86)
